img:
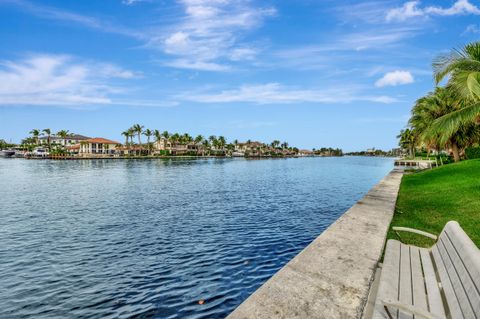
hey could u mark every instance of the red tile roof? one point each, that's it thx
(100, 140)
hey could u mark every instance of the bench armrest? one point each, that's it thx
(415, 231)
(419, 313)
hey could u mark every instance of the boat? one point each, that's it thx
(38, 152)
(7, 153)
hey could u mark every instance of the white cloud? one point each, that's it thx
(208, 36)
(408, 10)
(275, 93)
(395, 78)
(58, 80)
(412, 9)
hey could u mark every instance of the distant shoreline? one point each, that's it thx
(68, 158)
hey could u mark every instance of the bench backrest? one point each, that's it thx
(457, 261)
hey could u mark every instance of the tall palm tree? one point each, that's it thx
(138, 129)
(463, 68)
(48, 133)
(221, 142)
(148, 133)
(131, 133)
(127, 136)
(166, 134)
(35, 134)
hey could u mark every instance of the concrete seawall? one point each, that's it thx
(331, 277)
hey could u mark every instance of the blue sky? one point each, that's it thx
(313, 73)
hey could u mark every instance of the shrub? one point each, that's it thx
(472, 152)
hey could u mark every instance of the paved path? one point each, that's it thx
(331, 277)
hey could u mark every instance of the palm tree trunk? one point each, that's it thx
(456, 153)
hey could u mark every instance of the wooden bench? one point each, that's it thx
(421, 283)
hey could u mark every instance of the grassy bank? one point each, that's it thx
(429, 199)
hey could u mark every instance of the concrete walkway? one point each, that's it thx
(331, 277)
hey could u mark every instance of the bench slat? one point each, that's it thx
(468, 295)
(388, 287)
(450, 296)
(435, 303)
(467, 255)
(405, 293)
(418, 282)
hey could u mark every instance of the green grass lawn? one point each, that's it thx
(429, 199)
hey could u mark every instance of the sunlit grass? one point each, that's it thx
(428, 200)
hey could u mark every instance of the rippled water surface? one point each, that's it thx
(151, 238)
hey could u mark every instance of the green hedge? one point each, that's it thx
(472, 152)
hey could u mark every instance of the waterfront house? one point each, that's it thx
(71, 139)
(98, 146)
(73, 149)
(176, 148)
(132, 150)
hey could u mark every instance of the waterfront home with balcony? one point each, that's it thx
(98, 146)
(71, 139)
(176, 148)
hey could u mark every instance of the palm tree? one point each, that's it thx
(407, 141)
(138, 129)
(127, 136)
(213, 140)
(63, 134)
(186, 138)
(131, 133)
(435, 105)
(35, 134)
(199, 139)
(206, 146)
(463, 68)
(221, 142)
(174, 138)
(166, 134)
(48, 133)
(275, 143)
(148, 133)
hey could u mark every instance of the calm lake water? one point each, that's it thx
(151, 238)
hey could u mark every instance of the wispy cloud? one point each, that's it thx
(275, 93)
(52, 13)
(412, 9)
(58, 80)
(208, 36)
(131, 2)
(471, 28)
(395, 78)
(210, 32)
